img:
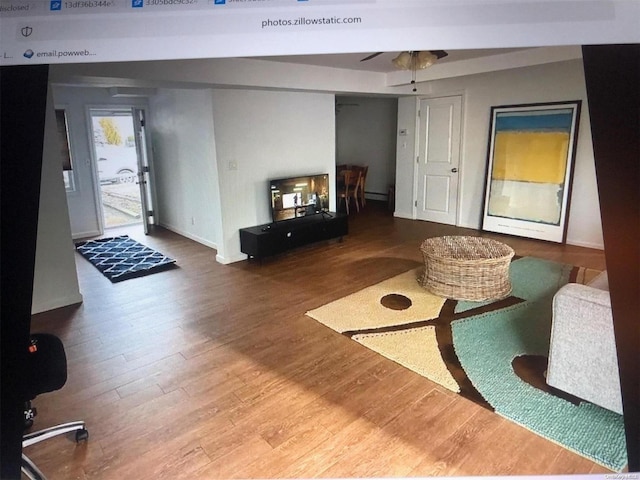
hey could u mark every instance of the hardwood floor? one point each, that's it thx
(213, 371)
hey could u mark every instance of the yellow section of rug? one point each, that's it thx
(416, 349)
(363, 310)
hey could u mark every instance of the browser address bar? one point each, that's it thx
(164, 25)
(302, 20)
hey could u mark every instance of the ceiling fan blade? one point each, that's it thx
(373, 55)
(439, 53)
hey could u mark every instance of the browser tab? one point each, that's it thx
(18, 9)
(32, 30)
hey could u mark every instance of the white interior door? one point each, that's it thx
(144, 169)
(438, 160)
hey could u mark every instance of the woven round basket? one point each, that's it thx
(466, 268)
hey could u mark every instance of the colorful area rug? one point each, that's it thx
(121, 258)
(493, 353)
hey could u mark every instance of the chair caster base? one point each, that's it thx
(82, 435)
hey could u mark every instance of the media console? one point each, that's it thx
(272, 238)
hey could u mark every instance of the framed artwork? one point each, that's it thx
(530, 169)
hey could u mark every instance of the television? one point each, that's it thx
(295, 197)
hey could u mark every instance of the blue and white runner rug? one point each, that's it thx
(121, 258)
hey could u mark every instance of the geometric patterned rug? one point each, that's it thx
(493, 353)
(121, 258)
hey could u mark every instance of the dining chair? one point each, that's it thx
(361, 189)
(351, 180)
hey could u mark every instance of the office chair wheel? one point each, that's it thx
(82, 435)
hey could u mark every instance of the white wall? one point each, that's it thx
(83, 210)
(405, 157)
(261, 135)
(55, 282)
(184, 162)
(545, 83)
(366, 135)
(195, 134)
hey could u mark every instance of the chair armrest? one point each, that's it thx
(582, 353)
(575, 293)
(582, 312)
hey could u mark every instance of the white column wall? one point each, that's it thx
(55, 281)
(184, 162)
(261, 135)
(405, 157)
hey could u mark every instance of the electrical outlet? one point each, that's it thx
(233, 165)
(193, 220)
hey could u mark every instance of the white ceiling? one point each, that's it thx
(381, 63)
(266, 72)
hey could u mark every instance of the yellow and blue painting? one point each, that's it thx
(530, 162)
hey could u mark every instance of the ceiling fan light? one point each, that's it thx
(424, 60)
(414, 60)
(402, 61)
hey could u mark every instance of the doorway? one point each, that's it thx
(121, 165)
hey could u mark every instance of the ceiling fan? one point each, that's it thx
(413, 60)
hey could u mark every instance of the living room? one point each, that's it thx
(274, 119)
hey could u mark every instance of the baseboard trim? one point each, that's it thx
(383, 197)
(578, 243)
(236, 258)
(81, 235)
(407, 216)
(190, 236)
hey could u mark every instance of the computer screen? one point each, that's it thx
(212, 70)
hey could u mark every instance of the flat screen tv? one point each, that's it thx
(295, 197)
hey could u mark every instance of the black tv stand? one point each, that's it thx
(277, 237)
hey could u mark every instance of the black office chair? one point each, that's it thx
(46, 372)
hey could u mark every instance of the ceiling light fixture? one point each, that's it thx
(414, 61)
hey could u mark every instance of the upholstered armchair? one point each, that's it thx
(582, 353)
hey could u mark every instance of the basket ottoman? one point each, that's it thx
(466, 268)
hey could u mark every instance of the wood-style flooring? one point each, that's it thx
(214, 371)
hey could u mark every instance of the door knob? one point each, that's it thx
(454, 170)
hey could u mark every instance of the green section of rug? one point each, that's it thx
(486, 345)
(531, 278)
